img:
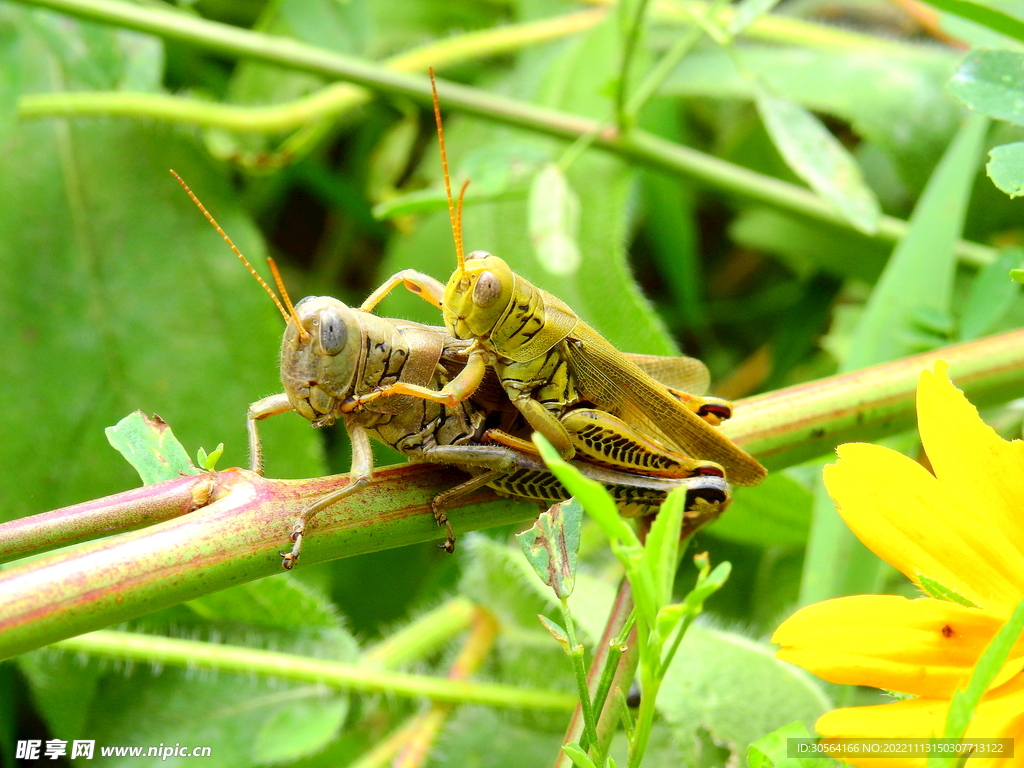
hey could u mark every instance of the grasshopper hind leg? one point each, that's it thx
(442, 500)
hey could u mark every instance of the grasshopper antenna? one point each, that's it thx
(302, 331)
(456, 219)
(458, 209)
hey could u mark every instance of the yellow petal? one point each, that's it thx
(982, 473)
(1000, 714)
(914, 718)
(909, 519)
(924, 647)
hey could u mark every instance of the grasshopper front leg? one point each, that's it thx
(262, 409)
(454, 392)
(416, 282)
(359, 475)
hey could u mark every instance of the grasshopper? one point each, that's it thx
(334, 361)
(548, 360)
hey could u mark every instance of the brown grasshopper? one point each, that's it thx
(334, 361)
(548, 360)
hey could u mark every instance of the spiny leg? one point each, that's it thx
(359, 475)
(262, 409)
(443, 499)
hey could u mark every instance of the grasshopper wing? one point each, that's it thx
(687, 374)
(613, 383)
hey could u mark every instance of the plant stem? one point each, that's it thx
(615, 650)
(422, 636)
(792, 425)
(474, 651)
(383, 751)
(623, 116)
(636, 145)
(579, 669)
(235, 539)
(621, 611)
(331, 101)
(128, 511)
(191, 653)
(668, 62)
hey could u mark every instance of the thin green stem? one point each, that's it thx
(623, 117)
(192, 653)
(615, 650)
(650, 682)
(422, 636)
(636, 145)
(579, 669)
(665, 66)
(666, 660)
(625, 716)
(299, 113)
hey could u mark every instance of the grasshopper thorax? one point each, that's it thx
(478, 295)
(318, 368)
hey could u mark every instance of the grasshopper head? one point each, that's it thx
(318, 371)
(477, 295)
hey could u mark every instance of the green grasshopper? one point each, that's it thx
(335, 360)
(548, 360)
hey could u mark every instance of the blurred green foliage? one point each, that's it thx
(116, 295)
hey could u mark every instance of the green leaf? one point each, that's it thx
(919, 275)
(964, 702)
(776, 512)
(149, 445)
(771, 751)
(807, 246)
(557, 632)
(1006, 168)
(942, 592)
(735, 690)
(555, 221)
(552, 544)
(706, 587)
(984, 15)
(154, 311)
(991, 296)
(209, 461)
(578, 756)
(817, 157)
(896, 100)
(661, 549)
(237, 710)
(299, 729)
(483, 738)
(992, 82)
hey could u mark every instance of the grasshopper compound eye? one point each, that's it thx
(333, 333)
(487, 289)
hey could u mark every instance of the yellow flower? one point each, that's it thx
(959, 532)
